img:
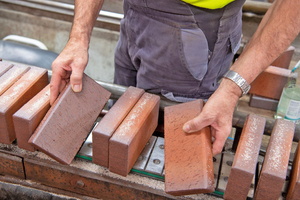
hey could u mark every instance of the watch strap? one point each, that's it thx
(239, 80)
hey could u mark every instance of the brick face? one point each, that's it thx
(4, 67)
(188, 157)
(11, 76)
(130, 138)
(69, 121)
(110, 122)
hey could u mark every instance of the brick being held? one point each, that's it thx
(188, 157)
(69, 121)
(110, 122)
(27, 118)
(16, 96)
(134, 132)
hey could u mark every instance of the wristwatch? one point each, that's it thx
(237, 79)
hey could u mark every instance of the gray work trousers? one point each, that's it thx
(171, 48)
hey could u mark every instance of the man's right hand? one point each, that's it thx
(68, 66)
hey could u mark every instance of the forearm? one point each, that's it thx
(278, 29)
(85, 15)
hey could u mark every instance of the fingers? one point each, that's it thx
(220, 139)
(196, 124)
(76, 79)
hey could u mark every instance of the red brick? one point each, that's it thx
(11, 76)
(245, 160)
(16, 96)
(29, 116)
(130, 138)
(69, 120)
(4, 67)
(110, 122)
(270, 83)
(285, 58)
(294, 185)
(188, 157)
(274, 169)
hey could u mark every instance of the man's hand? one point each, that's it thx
(217, 112)
(68, 66)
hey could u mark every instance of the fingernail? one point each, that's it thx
(76, 88)
(186, 128)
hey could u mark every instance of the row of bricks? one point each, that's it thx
(65, 126)
(188, 158)
(273, 173)
(124, 131)
(25, 100)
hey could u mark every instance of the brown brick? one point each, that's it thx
(285, 58)
(245, 160)
(4, 67)
(270, 83)
(69, 121)
(110, 122)
(188, 157)
(294, 185)
(29, 116)
(130, 138)
(11, 76)
(273, 173)
(16, 96)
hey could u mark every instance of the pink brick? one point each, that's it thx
(11, 76)
(294, 185)
(132, 135)
(4, 67)
(274, 169)
(188, 157)
(69, 120)
(245, 160)
(29, 116)
(16, 96)
(110, 122)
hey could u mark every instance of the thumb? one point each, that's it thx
(195, 124)
(76, 80)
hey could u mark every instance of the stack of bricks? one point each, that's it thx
(188, 157)
(123, 132)
(245, 160)
(18, 85)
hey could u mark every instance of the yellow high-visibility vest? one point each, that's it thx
(209, 4)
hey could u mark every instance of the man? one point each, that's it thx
(182, 51)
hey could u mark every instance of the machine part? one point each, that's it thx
(157, 159)
(25, 40)
(263, 102)
(142, 160)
